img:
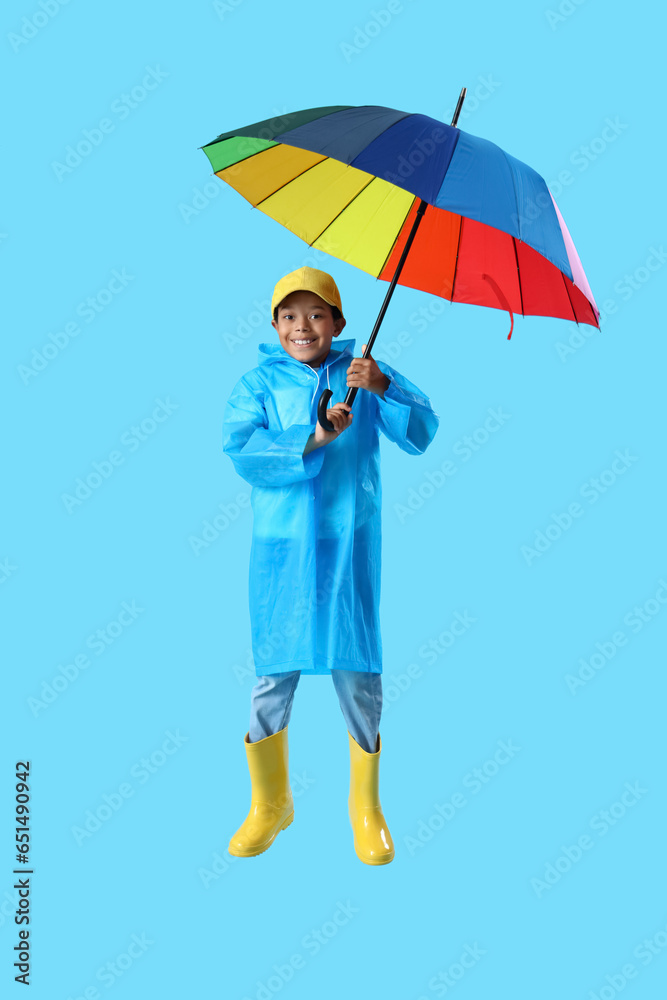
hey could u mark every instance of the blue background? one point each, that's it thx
(199, 267)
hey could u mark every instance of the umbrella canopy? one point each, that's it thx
(350, 180)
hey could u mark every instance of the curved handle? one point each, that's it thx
(324, 399)
(322, 418)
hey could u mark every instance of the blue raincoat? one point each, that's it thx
(316, 543)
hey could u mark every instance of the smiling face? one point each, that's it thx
(306, 327)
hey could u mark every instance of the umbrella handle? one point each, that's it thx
(322, 418)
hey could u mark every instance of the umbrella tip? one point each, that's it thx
(459, 105)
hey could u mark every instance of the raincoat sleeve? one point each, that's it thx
(265, 457)
(405, 415)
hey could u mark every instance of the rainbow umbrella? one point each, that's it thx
(412, 201)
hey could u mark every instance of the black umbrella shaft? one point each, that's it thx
(352, 392)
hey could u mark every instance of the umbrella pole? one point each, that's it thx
(352, 392)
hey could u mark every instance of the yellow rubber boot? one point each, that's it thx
(372, 840)
(271, 805)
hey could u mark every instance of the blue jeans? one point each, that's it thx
(359, 695)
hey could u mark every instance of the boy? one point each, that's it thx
(315, 555)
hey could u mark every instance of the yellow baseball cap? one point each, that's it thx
(307, 279)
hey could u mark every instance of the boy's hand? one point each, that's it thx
(340, 416)
(364, 373)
